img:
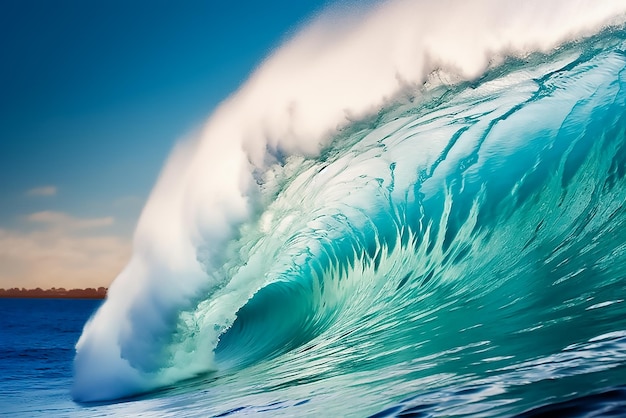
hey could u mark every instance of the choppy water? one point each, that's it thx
(459, 252)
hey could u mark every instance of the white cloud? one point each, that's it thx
(65, 221)
(62, 251)
(43, 191)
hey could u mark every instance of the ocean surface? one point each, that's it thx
(36, 353)
(37, 338)
(444, 242)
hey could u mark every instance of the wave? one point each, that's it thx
(371, 163)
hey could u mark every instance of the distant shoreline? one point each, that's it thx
(61, 293)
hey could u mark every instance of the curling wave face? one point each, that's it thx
(443, 216)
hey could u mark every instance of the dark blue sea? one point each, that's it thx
(37, 339)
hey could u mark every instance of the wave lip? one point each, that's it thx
(205, 243)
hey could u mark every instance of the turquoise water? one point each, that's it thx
(461, 252)
(467, 251)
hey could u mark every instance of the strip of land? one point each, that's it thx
(54, 293)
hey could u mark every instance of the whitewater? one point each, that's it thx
(409, 207)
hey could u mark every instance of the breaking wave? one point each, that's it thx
(380, 176)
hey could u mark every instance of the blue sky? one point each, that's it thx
(94, 94)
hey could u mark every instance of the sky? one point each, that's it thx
(93, 97)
